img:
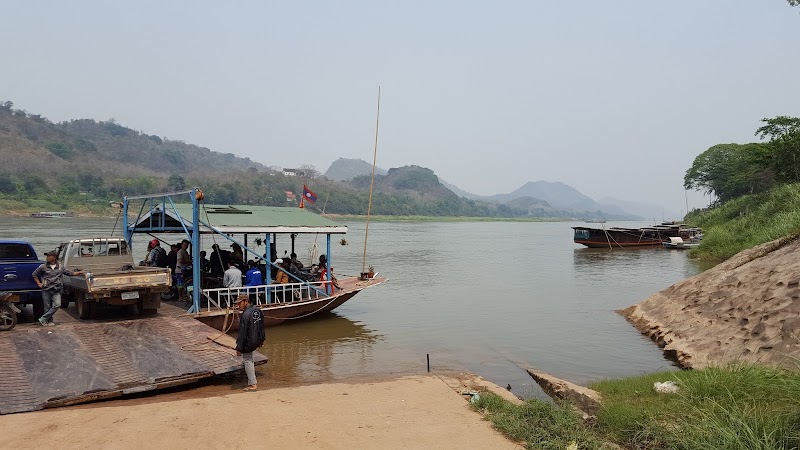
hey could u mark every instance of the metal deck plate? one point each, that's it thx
(81, 362)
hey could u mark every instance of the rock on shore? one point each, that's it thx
(746, 309)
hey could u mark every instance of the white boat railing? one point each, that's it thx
(266, 294)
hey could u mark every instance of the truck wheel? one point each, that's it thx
(38, 308)
(145, 311)
(86, 309)
(8, 318)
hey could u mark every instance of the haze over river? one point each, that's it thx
(474, 295)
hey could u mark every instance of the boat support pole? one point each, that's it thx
(268, 256)
(127, 232)
(195, 237)
(329, 270)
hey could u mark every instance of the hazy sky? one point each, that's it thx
(614, 98)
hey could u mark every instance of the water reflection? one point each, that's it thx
(319, 349)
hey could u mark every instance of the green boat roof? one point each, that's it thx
(244, 219)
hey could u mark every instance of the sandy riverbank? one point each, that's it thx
(408, 412)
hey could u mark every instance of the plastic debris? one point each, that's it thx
(474, 396)
(666, 387)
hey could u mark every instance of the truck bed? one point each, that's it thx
(121, 278)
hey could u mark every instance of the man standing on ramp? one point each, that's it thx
(251, 336)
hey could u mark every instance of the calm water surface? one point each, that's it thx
(475, 296)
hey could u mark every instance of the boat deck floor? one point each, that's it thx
(77, 361)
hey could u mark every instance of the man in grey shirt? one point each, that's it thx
(232, 277)
(48, 277)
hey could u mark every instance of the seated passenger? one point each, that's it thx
(253, 276)
(296, 262)
(281, 277)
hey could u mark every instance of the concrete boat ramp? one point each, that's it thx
(78, 362)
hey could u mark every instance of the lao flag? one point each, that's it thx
(308, 195)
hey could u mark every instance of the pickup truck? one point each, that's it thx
(18, 260)
(110, 276)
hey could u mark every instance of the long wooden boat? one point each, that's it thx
(617, 237)
(52, 215)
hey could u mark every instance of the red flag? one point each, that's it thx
(309, 195)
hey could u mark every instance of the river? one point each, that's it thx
(475, 296)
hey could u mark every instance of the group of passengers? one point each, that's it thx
(227, 268)
(286, 270)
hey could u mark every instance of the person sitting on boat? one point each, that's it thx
(237, 254)
(296, 262)
(282, 277)
(219, 261)
(205, 264)
(322, 269)
(232, 277)
(253, 275)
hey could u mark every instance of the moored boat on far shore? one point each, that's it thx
(616, 237)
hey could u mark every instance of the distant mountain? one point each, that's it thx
(650, 212)
(344, 169)
(565, 197)
(460, 192)
(528, 202)
(408, 179)
(558, 194)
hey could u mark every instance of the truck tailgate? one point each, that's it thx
(133, 279)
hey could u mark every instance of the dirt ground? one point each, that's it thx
(408, 412)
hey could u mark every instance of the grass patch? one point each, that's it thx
(747, 221)
(737, 407)
(539, 424)
(742, 407)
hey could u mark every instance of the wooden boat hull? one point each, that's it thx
(276, 314)
(612, 244)
(654, 236)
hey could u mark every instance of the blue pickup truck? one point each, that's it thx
(18, 260)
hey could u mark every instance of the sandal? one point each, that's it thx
(250, 389)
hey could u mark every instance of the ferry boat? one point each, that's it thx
(616, 237)
(248, 227)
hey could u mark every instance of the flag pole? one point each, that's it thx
(372, 182)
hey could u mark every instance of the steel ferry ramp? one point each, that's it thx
(46, 367)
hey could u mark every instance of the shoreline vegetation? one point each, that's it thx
(733, 407)
(15, 208)
(747, 221)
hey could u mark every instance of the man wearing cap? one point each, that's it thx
(157, 256)
(48, 277)
(249, 338)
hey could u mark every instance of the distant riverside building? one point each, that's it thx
(293, 173)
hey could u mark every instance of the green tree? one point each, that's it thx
(7, 185)
(731, 170)
(783, 133)
(60, 149)
(176, 182)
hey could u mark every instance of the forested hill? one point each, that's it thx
(103, 157)
(85, 164)
(345, 169)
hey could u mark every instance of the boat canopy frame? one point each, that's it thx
(162, 213)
